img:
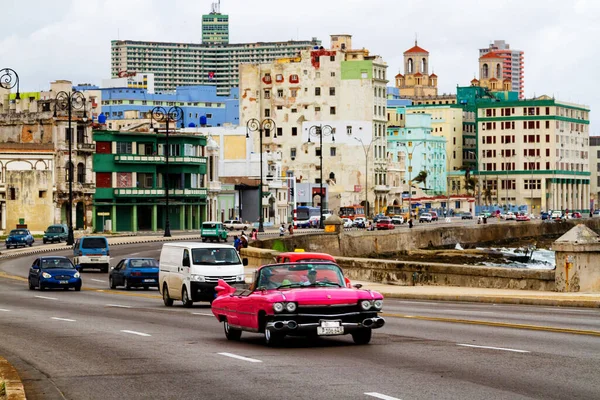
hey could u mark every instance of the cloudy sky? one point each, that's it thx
(70, 39)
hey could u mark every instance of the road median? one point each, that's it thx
(11, 387)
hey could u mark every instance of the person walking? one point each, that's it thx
(410, 223)
(237, 243)
(291, 229)
(281, 230)
(254, 234)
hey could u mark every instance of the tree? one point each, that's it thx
(487, 195)
(421, 178)
(470, 184)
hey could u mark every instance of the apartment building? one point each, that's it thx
(512, 64)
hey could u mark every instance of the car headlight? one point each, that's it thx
(46, 275)
(278, 307)
(365, 304)
(378, 304)
(240, 278)
(76, 275)
(290, 307)
(197, 278)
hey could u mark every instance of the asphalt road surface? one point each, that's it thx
(116, 344)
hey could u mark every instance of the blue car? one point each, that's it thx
(19, 237)
(134, 272)
(544, 216)
(53, 272)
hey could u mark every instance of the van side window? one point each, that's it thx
(186, 257)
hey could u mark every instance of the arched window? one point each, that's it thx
(498, 71)
(80, 173)
(409, 66)
(68, 171)
(424, 65)
(485, 71)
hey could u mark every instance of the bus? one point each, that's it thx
(391, 211)
(352, 212)
(304, 214)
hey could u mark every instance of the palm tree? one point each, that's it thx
(421, 178)
(487, 195)
(470, 184)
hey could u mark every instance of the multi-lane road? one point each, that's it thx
(107, 344)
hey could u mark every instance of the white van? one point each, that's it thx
(189, 271)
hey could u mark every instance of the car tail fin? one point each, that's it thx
(223, 288)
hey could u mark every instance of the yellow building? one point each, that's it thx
(416, 81)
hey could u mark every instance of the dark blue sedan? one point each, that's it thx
(134, 272)
(19, 237)
(53, 272)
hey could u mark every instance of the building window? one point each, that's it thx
(279, 78)
(80, 173)
(332, 91)
(293, 152)
(279, 131)
(267, 94)
(124, 148)
(349, 129)
(12, 194)
(318, 151)
(267, 112)
(331, 58)
(332, 151)
(332, 73)
(294, 110)
(294, 131)
(293, 92)
(280, 93)
(332, 110)
(317, 109)
(294, 79)
(208, 116)
(317, 91)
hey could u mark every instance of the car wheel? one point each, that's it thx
(231, 333)
(111, 283)
(105, 269)
(30, 244)
(185, 298)
(273, 338)
(204, 239)
(78, 288)
(126, 284)
(31, 287)
(44, 241)
(362, 336)
(166, 299)
(7, 247)
(225, 239)
(40, 286)
(146, 287)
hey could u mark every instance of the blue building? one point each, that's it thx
(200, 104)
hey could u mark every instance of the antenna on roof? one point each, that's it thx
(415, 38)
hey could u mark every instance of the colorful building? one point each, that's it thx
(131, 180)
(512, 64)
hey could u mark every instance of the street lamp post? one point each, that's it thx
(160, 114)
(267, 126)
(69, 101)
(555, 185)
(531, 182)
(320, 131)
(367, 150)
(9, 79)
(409, 156)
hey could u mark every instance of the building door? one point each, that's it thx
(79, 213)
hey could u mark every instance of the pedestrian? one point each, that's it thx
(410, 223)
(281, 230)
(254, 234)
(237, 242)
(244, 239)
(291, 229)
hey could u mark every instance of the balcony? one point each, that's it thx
(214, 186)
(87, 147)
(154, 159)
(381, 188)
(141, 193)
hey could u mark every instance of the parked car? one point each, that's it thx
(360, 222)
(378, 217)
(466, 215)
(544, 215)
(397, 220)
(509, 216)
(596, 214)
(522, 217)
(53, 272)
(434, 215)
(425, 217)
(236, 224)
(56, 233)
(19, 237)
(313, 221)
(385, 223)
(348, 223)
(134, 272)
(91, 252)
(557, 215)
(213, 231)
(298, 299)
(576, 214)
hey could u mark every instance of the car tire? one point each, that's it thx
(185, 298)
(231, 333)
(204, 239)
(31, 287)
(225, 239)
(40, 286)
(44, 241)
(105, 269)
(146, 287)
(362, 336)
(7, 247)
(111, 283)
(126, 284)
(166, 299)
(78, 288)
(273, 338)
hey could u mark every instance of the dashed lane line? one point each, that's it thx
(381, 396)
(117, 305)
(63, 319)
(492, 348)
(46, 298)
(98, 280)
(205, 314)
(136, 333)
(252, 360)
(4, 310)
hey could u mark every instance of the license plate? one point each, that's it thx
(149, 280)
(330, 331)
(94, 259)
(64, 282)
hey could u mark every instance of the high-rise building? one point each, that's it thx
(512, 64)
(215, 61)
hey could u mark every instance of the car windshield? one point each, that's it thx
(210, 225)
(93, 243)
(300, 275)
(215, 256)
(54, 229)
(18, 232)
(56, 263)
(143, 263)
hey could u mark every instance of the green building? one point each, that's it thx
(131, 178)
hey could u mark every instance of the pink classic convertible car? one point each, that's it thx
(298, 299)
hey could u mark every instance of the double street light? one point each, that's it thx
(320, 131)
(265, 126)
(9, 79)
(367, 149)
(160, 114)
(70, 101)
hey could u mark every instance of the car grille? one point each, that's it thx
(215, 279)
(62, 277)
(328, 310)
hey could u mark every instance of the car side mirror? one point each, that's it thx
(186, 262)
(35, 267)
(244, 261)
(78, 267)
(357, 286)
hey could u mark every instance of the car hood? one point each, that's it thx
(319, 295)
(60, 271)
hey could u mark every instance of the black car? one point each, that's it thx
(466, 215)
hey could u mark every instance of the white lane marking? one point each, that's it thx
(466, 311)
(136, 333)
(381, 396)
(254, 360)
(493, 348)
(63, 319)
(97, 280)
(418, 302)
(567, 310)
(47, 298)
(133, 254)
(4, 309)
(199, 313)
(117, 305)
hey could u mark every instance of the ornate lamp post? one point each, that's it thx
(367, 150)
(160, 114)
(69, 101)
(320, 131)
(265, 126)
(9, 79)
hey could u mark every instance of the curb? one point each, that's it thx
(13, 386)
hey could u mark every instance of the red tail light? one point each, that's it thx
(80, 253)
(136, 274)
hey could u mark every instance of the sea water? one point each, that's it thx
(541, 259)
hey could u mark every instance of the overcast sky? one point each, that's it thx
(63, 39)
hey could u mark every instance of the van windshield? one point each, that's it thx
(93, 243)
(54, 229)
(223, 256)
